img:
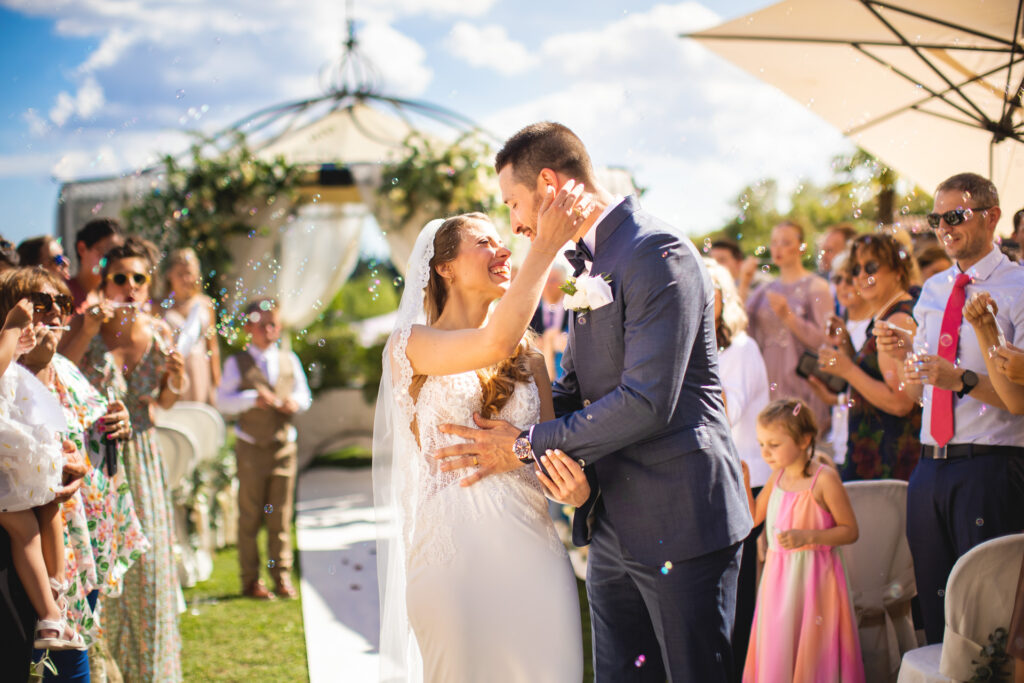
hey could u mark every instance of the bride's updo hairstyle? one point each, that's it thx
(498, 381)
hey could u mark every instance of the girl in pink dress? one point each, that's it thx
(804, 629)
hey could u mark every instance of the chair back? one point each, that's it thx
(881, 574)
(179, 453)
(979, 599)
(202, 421)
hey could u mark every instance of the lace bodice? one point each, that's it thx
(453, 399)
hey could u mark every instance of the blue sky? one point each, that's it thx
(94, 87)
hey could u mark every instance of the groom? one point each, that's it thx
(640, 406)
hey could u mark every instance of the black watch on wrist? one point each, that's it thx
(969, 380)
(523, 448)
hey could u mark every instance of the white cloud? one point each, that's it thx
(37, 125)
(692, 128)
(87, 101)
(489, 47)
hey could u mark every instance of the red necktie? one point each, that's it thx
(949, 337)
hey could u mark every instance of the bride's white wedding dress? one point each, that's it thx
(491, 595)
(475, 585)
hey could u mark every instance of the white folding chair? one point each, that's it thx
(881, 575)
(979, 599)
(204, 422)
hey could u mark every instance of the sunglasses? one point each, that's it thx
(870, 268)
(43, 302)
(61, 260)
(954, 217)
(121, 279)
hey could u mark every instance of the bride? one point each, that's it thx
(475, 584)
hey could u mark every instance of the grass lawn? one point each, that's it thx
(230, 638)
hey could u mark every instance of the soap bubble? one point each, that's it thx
(946, 340)
(270, 564)
(268, 508)
(640, 661)
(666, 568)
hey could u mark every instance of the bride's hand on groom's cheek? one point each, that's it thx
(565, 480)
(488, 450)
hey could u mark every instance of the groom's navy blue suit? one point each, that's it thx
(640, 405)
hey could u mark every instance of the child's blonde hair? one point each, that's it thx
(793, 415)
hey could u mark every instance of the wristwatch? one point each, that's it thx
(523, 448)
(969, 380)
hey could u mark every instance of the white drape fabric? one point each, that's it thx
(979, 599)
(881, 575)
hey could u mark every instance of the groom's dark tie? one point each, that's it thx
(579, 257)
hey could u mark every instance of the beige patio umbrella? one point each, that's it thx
(931, 87)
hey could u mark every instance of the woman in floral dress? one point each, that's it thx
(131, 357)
(102, 535)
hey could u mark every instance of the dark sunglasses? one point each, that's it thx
(954, 217)
(121, 279)
(43, 302)
(870, 268)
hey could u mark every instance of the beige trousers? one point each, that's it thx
(266, 493)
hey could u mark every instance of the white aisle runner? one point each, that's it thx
(337, 542)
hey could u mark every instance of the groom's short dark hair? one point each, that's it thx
(545, 145)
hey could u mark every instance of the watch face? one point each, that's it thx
(523, 449)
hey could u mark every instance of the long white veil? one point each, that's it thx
(395, 471)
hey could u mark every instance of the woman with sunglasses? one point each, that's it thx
(131, 357)
(884, 420)
(187, 307)
(45, 252)
(101, 529)
(788, 317)
(848, 332)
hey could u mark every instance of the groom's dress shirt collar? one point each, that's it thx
(590, 239)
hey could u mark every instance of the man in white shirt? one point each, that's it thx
(264, 387)
(968, 485)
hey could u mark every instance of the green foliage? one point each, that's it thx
(450, 179)
(994, 662)
(851, 195)
(330, 350)
(198, 204)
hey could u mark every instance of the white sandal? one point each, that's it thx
(60, 595)
(59, 642)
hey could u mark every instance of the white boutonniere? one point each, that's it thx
(586, 293)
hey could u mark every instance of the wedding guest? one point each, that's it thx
(933, 260)
(265, 386)
(883, 419)
(46, 252)
(833, 242)
(551, 321)
(1018, 227)
(92, 242)
(805, 628)
(745, 386)
(967, 486)
(185, 304)
(8, 255)
(30, 471)
(102, 534)
(726, 252)
(788, 316)
(132, 357)
(852, 326)
(17, 617)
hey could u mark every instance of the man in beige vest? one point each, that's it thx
(264, 387)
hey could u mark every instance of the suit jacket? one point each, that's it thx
(640, 403)
(537, 322)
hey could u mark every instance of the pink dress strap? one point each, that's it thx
(815, 478)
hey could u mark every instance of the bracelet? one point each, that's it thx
(180, 388)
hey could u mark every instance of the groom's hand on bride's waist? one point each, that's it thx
(487, 451)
